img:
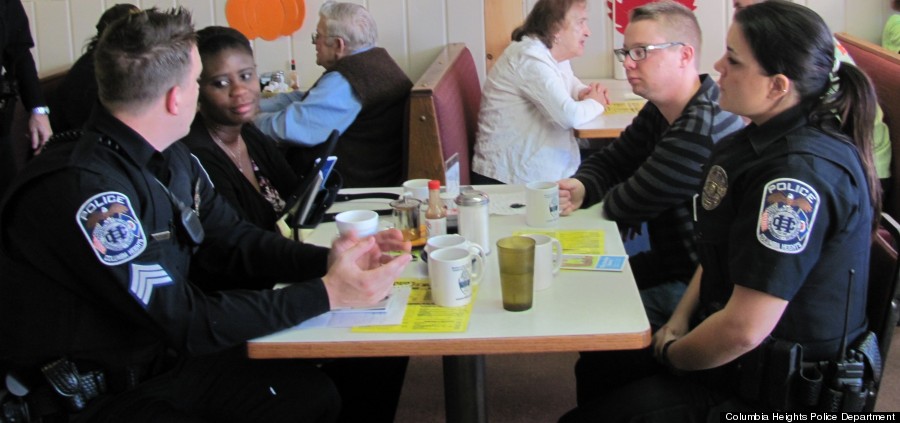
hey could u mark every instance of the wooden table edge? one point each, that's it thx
(445, 347)
(598, 133)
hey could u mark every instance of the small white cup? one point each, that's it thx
(453, 273)
(364, 222)
(547, 260)
(542, 204)
(416, 188)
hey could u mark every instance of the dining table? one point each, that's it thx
(616, 118)
(582, 310)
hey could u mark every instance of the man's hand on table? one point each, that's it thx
(360, 273)
(571, 195)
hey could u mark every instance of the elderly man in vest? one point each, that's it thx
(362, 94)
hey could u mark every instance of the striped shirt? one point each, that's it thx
(651, 174)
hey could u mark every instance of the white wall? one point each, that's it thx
(413, 31)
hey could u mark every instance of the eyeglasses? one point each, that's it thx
(315, 37)
(640, 53)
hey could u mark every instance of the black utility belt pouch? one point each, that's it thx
(774, 375)
(8, 93)
(8, 88)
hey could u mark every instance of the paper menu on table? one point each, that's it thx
(622, 107)
(573, 241)
(423, 316)
(387, 312)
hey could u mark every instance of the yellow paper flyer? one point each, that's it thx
(574, 241)
(423, 316)
(621, 107)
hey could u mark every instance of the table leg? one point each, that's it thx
(464, 391)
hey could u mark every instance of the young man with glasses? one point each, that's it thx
(362, 94)
(652, 172)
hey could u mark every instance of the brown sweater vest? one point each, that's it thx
(370, 151)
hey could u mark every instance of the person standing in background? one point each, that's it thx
(77, 94)
(362, 94)
(18, 79)
(890, 38)
(532, 100)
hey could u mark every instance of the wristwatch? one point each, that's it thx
(42, 110)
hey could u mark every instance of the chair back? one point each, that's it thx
(883, 307)
(443, 115)
(882, 67)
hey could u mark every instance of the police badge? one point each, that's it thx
(111, 228)
(714, 188)
(786, 215)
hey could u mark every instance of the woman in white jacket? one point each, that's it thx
(532, 100)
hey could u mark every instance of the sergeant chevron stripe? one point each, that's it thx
(144, 278)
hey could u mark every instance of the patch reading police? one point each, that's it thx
(109, 223)
(714, 188)
(786, 215)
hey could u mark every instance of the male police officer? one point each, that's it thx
(97, 239)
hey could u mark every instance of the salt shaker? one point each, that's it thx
(473, 218)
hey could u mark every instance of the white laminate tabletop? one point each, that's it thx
(582, 310)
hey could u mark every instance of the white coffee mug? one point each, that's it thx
(453, 241)
(364, 222)
(416, 188)
(453, 273)
(542, 204)
(547, 260)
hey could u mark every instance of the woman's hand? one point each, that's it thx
(596, 92)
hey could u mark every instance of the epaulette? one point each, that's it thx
(61, 138)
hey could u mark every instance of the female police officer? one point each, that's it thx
(784, 221)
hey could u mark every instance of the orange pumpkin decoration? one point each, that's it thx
(267, 19)
(294, 13)
(235, 12)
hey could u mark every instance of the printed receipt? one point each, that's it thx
(423, 316)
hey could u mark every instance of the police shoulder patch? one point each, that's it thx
(786, 215)
(111, 227)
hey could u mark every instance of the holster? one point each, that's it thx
(767, 373)
(75, 388)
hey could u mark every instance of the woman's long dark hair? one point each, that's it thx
(544, 20)
(792, 40)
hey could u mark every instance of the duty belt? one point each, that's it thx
(64, 389)
(775, 376)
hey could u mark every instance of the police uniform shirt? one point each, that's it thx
(95, 263)
(785, 210)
